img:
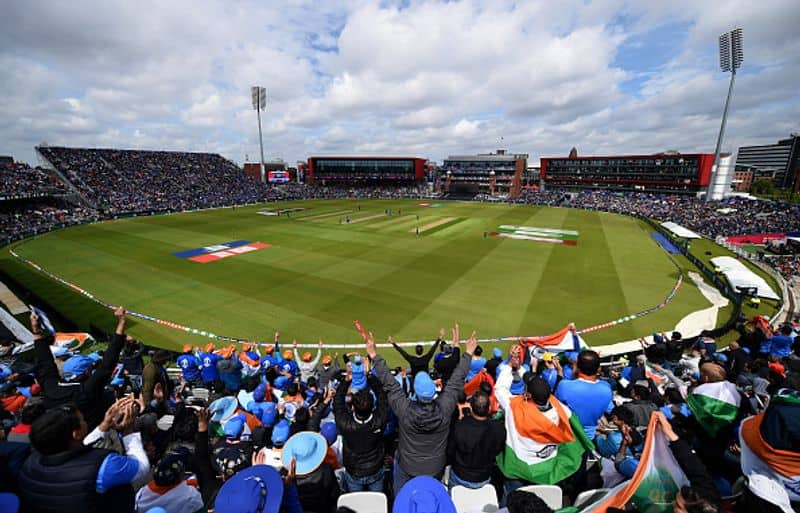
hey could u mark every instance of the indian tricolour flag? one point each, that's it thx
(714, 405)
(551, 235)
(566, 339)
(539, 450)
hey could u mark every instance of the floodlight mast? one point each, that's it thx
(259, 95)
(730, 59)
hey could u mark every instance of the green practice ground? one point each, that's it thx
(320, 275)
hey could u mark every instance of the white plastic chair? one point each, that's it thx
(550, 494)
(590, 496)
(364, 502)
(468, 500)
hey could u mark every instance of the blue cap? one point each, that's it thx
(268, 414)
(423, 494)
(357, 360)
(9, 503)
(328, 430)
(157, 509)
(280, 433)
(424, 388)
(308, 448)
(572, 355)
(658, 339)
(95, 356)
(256, 489)
(234, 426)
(721, 357)
(281, 382)
(497, 352)
(260, 393)
(746, 350)
(76, 366)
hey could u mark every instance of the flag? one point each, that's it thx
(44, 320)
(759, 435)
(360, 330)
(72, 341)
(714, 405)
(537, 450)
(564, 340)
(654, 485)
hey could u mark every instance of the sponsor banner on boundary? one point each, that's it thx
(219, 255)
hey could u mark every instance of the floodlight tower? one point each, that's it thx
(730, 59)
(259, 95)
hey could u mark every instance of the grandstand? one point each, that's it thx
(124, 181)
(661, 173)
(489, 174)
(365, 171)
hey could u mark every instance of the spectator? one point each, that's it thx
(587, 396)
(154, 379)
(189, 365)
(64, 475)
(316, 482)
(418, 362)
(132, 362)
(208, 368)
(362, 424)
(474, 445)
(424, 423)
(307, 365)
(168, 489)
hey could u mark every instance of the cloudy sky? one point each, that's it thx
(394, 78)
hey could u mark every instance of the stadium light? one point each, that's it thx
(730, 59)
(259, 95)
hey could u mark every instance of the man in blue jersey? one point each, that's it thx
(65, 474)
(190, 366)
(588, 396)
(271, 356)
(208, 368)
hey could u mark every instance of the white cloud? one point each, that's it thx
(428, 78)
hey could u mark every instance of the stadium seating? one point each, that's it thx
(550, 494)
(364, 502)
(467, 500)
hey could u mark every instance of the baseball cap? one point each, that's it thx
(328, 430)
(424, 388)
(234, 426)
(9, 502)
(76, 366)
(497, 352)
(280, 433)
(260, 393)
(170, 469)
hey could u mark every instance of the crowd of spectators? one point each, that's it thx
(19, 180)
(25, 218)
(787, 265)
(268, 429)
(120, 181)
(729, 217)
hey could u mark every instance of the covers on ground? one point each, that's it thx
(739, 275)
(680, 231)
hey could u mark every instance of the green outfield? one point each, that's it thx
(319, 273)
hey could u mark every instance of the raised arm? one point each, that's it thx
(102, 375)
(46, 369)
(397, 399)
(400, 350)
(455, 384)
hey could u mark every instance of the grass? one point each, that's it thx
(320, 275)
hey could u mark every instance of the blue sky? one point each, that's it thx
(416, 78)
